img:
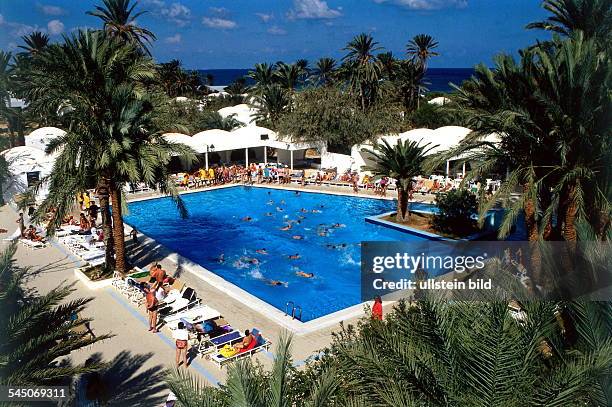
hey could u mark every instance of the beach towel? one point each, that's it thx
(227, 351)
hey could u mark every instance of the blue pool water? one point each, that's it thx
(215, 227)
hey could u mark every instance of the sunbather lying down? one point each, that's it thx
(246, 341)
(32, 235)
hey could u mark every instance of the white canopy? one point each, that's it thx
(41, 137)
(242, 112)
(26, 165)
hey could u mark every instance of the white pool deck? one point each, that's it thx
(112, 313)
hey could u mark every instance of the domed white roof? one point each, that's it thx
(41, 137)
(242, 112)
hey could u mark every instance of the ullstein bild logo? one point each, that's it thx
(486, 270)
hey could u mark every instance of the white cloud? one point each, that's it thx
(219, 23)
(218, 10)
(176, 13)
(265, 17)
(312, 9)
(55, 27)
(174, 39)
(18, 29)
(276, 30)
(427, 4)
(50, 10)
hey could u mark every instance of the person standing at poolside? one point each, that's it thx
(151, 303)
(21, 222)
(377, 311)
(181, 338)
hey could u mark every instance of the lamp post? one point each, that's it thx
(210, 148)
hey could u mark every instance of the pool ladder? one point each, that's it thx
(296, 310)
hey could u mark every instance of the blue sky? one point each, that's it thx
(239, 33)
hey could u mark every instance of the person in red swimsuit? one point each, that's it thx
(377, 312)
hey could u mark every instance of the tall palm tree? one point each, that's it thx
(363, 69)
(110, 137)
(421, 47)
(592, 17)
(34, 42)
(119, 20)
(563, 173)
(403, 161)
(262, 75)
(409, 83)
(324, 71)
(271, 103)
(287, 76)
(469, 353)
(389, 64)
(38, 331)
(248, 385)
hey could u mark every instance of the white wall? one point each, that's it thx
(342, 162)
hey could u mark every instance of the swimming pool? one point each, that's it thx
(217, 237)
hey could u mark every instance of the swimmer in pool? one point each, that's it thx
(279, 209)
(282, 202)
(221, 258)
(297, 193)
(300, 273)
(337, 246)
(276, 283)
(293, 256)
(316, 211)
(270, 202)
(297, 237)
(247, 219)
(304, 210)
(338, 225)
(249, 260)
(261, 251)
(286, 227)
(268, 213)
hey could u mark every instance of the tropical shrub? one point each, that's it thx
(457, 208)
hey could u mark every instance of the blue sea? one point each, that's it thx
(438, 78)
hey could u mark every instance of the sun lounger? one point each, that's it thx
(31, 244)
(187, 301)
(14, 236)
(260, 343)
(194, 315)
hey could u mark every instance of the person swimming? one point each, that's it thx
(315, 211)
(286, 227)
(297, 193)
(249, 260)
(337, 246)
(247, 219)
(268, 213)
(221, 258)
(293, 256)
(261, 251)
(279, 209)
(297, 237)
(338, 225)
(301, 273)
(276, 283)
(304, 210)
(282, 202)
(270, 202)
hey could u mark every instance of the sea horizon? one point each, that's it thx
(438, 78)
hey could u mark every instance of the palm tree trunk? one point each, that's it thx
(531, 225)
(569, 216)
(118, 236)
(102, 191)
(402, 204)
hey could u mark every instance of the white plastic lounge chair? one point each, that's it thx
(260, 344)
(31, 244)
(193, 316)
(15, 235)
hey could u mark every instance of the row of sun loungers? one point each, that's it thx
(82, 246)
(210, 333)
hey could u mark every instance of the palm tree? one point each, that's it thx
(287, 76)
(470, 353)
(389, 64)
(271, 103)
(402, 161)
(563, 174)
(34, 42)
(421, 48)
(409, 83)
(38, 331)
(248, 385)
(363, 69)
(592, 17)
(324, 71)
(263, 75)
(110, 137)
(119, 21)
